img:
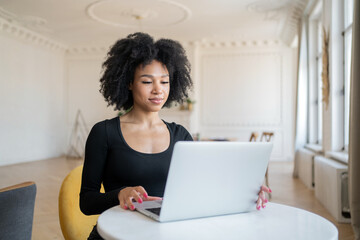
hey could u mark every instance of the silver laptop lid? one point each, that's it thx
(214, 178)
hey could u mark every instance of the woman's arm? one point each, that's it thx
(91, 200)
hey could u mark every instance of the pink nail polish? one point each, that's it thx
(270, 190)
(125, 207)
(264, 206)
(145, 195)
(258, 207)
(140, 200)
(266, 201)
(132, 207)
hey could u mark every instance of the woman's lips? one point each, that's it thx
(156, 100)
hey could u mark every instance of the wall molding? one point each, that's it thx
(230, 123)
(74, 50)
(240, 124)
(88, 50)
(25, 34)
(209, 43)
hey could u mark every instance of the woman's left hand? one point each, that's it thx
(261, 202)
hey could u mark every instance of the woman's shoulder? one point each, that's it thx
(105, 124)
(179, 131)
(174, 126)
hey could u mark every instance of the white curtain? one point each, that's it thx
(354, 141)
(302, 92)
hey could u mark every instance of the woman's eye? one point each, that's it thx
(146, 82)
(166, 82)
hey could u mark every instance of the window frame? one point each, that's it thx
(315, 127)
(347, 30)
(319, 66)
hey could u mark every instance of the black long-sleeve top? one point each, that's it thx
(111, 161)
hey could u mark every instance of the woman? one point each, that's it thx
(131, 154)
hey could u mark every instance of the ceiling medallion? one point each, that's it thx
(147, 13)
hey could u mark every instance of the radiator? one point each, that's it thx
(305, 160)
(331, 187)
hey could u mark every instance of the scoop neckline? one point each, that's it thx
(122, 137)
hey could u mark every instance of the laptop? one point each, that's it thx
(210, 179)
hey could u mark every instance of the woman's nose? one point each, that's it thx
(156, 88)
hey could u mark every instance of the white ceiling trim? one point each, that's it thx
(99, 22)
(290, 30)
(23, 33)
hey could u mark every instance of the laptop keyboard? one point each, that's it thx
(154, 210)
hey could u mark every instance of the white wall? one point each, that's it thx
(84, 69)
(238, 89)
(32, 96)
(83, 85)
(246, 89)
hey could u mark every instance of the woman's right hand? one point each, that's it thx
(129, 194)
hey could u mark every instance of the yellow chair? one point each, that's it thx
(74, 224)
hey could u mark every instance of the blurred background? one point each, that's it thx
(257, 69)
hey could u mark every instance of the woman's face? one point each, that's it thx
(151, 86)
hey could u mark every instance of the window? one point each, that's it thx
(315, 106)
(347, 34)
(319, 81)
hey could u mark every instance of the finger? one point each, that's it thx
(151, 198)
(136, 196)
(258, 203)
(265, 189)
(129, 204)
(142, 192)
(121, 201)
(263, 199)
(123, 205)
(262, 196)
(263, 204)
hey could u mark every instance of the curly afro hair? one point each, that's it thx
(140, 49)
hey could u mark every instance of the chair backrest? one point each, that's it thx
(267, 136)
(74, 224)
(253, 137)
(17, 211)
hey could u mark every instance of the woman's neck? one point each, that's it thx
(146, 119)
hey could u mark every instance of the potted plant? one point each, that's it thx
(123, 112)
(190, 104)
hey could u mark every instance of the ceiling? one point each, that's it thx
(101, 22)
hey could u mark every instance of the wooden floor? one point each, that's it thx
(48, 175)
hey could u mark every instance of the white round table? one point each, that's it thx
(276, 221)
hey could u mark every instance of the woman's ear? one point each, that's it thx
(130, 86)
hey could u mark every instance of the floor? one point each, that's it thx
(48, 175)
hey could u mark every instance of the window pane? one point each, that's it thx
(319, 37)
(319, 81)
(348, 12)
(320, 96)
(347, 69)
